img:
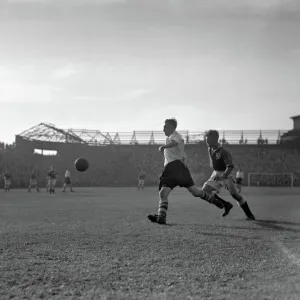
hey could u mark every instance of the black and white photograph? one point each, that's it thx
(150, 149)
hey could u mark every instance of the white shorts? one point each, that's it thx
(141, 182)
(218, 184)
(7, 182)
(52, 182)
(33, 182)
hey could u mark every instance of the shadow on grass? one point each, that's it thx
(273, 224)
(215, 231)
(264, 224)
(279, 222)
(234, 236)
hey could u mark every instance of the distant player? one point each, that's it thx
(47, 181)
(7, 181)
(239, 179)
(33, 182)
(52, 175)
(141, 180)
(176, 173)
(68, 181)
(221, 162)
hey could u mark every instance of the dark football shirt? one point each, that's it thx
(220, 159)
(142, 176)
(52, 174)
(7, 175)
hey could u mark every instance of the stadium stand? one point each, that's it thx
(115, 164)
(119, 165)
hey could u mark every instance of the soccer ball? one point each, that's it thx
(81, 164)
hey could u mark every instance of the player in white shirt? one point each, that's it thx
(239, 179)
(176, 173)
(68, 181)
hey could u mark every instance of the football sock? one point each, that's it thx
(246, 209)
(205, 196)
(162, 208)
(218, 203)
(221, 200)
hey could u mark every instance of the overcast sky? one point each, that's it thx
(118, 65)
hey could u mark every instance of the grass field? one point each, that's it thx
(97, 243)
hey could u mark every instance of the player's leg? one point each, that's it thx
(239, 185)
(205, 196)
(161, 217)
(50, 186)
(29, 188)
(8, 185)
(34, 184)
(53, 185)
(239, 198)
(212, 188)
(209, 189)
(139, 182)
(64, 187)
(142, 184)
(167, 182)
(184, 179)
(69, 183)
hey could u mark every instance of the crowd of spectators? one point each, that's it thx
(120, 165)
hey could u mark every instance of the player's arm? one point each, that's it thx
(170, 145)
(229, 163)
(210, 159)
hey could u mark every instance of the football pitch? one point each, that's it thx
(97, 243)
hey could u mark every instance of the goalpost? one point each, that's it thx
(271, 179)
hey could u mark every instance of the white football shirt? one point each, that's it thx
(176, 152)
(239, 174)
(67, 174)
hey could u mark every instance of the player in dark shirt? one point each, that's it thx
(68, 181)
(7, 181)
(52, 175)
(33, 182)
(221, 162)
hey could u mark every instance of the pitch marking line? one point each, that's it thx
(292, 257)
